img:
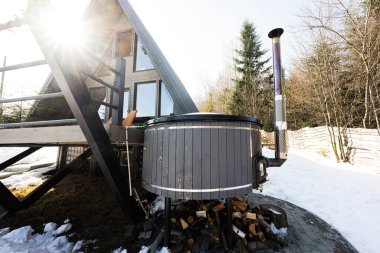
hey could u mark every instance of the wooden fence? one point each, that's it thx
(361, 145)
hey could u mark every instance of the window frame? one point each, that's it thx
(118, 34)
(135, 50)
(135, 85)
(129, 100)
(160, 99)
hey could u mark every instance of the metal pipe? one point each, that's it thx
(96, 79)
(280, 127)
(129, 162)
(118, 98)
(39, 123)
(37, 97)
(104, 103)
(2, 84)
(23, 65)
(167, 221)
(2, 78)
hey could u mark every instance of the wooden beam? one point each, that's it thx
(64, 135)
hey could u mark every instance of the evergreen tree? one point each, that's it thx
(251, 94)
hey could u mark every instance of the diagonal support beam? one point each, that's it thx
(65, 65)
(12, 204)
(51, 182)
(18, 157)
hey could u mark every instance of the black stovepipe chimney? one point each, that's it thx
(280, 126)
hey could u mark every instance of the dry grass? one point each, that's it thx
(23, 192)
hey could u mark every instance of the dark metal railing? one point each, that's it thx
(23, 65)
(104, 103)
(115, 94)
(39, 123)
(100, 81)
(37, 97)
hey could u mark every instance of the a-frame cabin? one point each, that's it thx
(91, 89)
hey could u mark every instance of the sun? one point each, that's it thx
(65, 32)
(64, 25)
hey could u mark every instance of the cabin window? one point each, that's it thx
(126, 103)
(124, 44)
(167, 104)
(146, 99)
(142, 61)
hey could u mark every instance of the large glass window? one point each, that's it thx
(146, 99)
(142, 59)
(126, 103)
(167, 104)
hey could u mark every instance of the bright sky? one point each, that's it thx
(19, 46)
(196, 36)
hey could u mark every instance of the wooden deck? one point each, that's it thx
(64, 135)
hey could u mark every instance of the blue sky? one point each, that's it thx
(196, 36)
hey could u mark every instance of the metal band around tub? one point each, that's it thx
(200, 190)
(204, 127)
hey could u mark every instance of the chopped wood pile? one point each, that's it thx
(201, 226)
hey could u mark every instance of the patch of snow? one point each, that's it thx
(63, 228)
(28, 171)
(19, 235)
(345, 196)
(30, 178)
(46, 154)
(144, 249)
(274, 211)
(163, 250)
(51, 226)
(4, 231)
(119, 250)
(78, 245)
(18, 168)
(281, 232)
(23, 240)
(157, 205)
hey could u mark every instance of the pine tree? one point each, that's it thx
(251, 94)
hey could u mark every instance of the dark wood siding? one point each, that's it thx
(200, 160)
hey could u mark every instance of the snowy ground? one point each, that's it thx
(345, 196)
(28, 171)
(52, 240)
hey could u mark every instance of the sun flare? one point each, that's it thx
(64, 25)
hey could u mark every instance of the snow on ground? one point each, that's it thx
(51, 241)
(47, 154)
(345, 196)
(28, 171)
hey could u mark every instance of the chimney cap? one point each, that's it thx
(275, 33)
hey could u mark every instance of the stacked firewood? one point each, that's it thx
(198, 226)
